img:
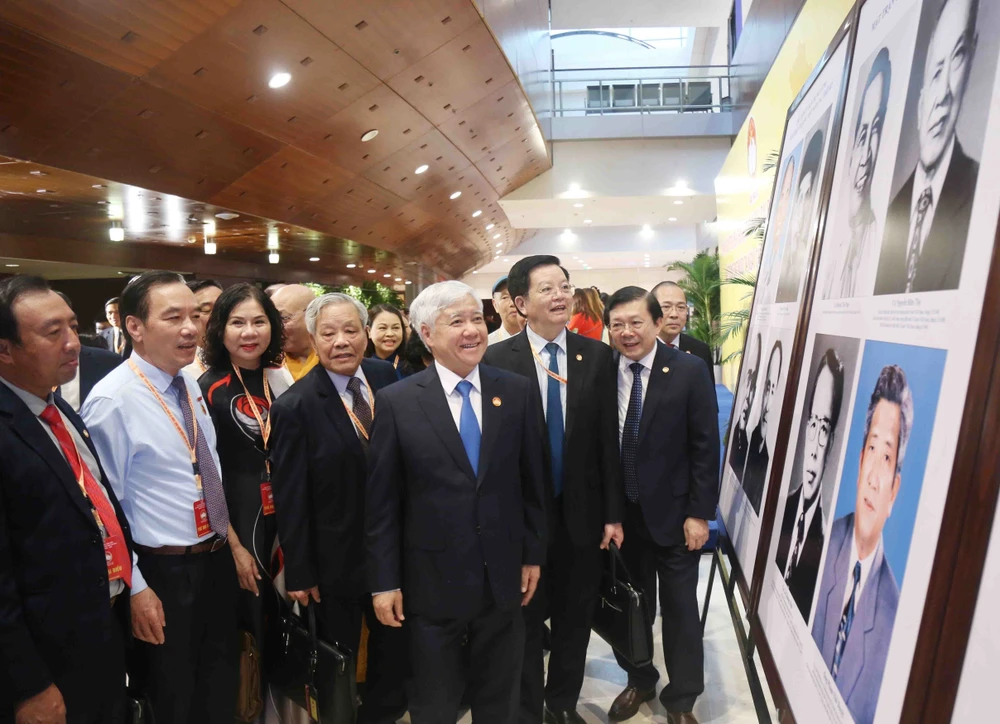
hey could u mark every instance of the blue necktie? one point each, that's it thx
(846, 621)
(468, 426)
(630, 434)
(554, 419)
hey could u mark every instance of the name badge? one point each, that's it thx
(267, 498)
(117, 558)
(201, 524)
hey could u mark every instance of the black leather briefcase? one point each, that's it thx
(621, 618)
(316, 675)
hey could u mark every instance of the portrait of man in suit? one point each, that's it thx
(741, 442)
(856, 256)
(758, 456)
(796, 251)
(859, 595)
(928, 219)
(800, 542)
(775, 243)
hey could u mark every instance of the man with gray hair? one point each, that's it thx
(859, 595)
(455, 518)
(319, 441)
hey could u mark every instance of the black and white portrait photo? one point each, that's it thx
(747, 389)
(758, 452)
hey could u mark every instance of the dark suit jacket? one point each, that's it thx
(940, 262)
(593, 493)
(94, 365)
(699, 349)
(318, 474)
(862, 664)
(677, 462)
(109, 337)
(55, 622)
(434, 526)
(802, 582)
(738, 449)
(755, 474)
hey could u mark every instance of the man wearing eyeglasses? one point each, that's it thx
(578, 409)
(673, 301)
(291, 301)
(800, 544)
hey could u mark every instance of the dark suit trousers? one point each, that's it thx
(481, 653)
(683, 652)
(567, 595)
(194, 675)
(338, 619)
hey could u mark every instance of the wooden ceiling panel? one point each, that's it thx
(389, 36)
(455, 76)
(398, 172)
(132, 36)
(358, 205)
(394, 230)
(339, 140)
(45, 90)
(511, 160)
(491, 122)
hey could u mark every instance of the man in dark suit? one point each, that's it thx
(928, 220)
(114, 334)
(758, 455)
(94, 364)
(455, 514)
(800, 542)
(319, 470)
(65, 546)
(740, 443)
(673, 302)
(858, 596)
(669, 432)
(576, 407)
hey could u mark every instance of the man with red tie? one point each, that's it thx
(65, 545)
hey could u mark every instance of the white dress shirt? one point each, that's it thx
(538, 345)
(866, 568)
(71, 391)
(37, 406)
(625, 381)
(340, 382)
(936, 184)
(449, 381)
(145, 459)
(810, 514)
(498, 335)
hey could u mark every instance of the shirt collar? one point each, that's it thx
(36, 404)
(160, 379)
(340, 381)
(450, 380)
(538, 342)
(936, 184)
(867, 563)
(647, 362)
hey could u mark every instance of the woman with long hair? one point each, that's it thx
(386, 336)
(587, 314)
(243, 340)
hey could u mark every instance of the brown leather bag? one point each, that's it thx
(249, 702)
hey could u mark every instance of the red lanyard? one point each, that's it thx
(265, 428)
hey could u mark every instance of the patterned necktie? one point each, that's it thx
(468, 426)
(360, 406)
(800, 533)
(98, 500)
(913, 255)
(215, 494)
(630, 434)
(846, 621)
(554, 419)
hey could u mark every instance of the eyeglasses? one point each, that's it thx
(667, 307)
(636, 325)
(819, 426)
(549, 291)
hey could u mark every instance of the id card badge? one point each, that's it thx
(116, 556)
(201, 524)
(312, 705)
(267, 498)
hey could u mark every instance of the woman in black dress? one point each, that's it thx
(242, 351)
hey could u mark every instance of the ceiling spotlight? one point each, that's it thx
(567, 231)
(455, 195)
(399, 279)
(273, 257)
(38, 173)
(420, 169)
(574, 188)
(314, 258)
(408, 282)
(577, 206)
(496, 236)
(371, 271)
(209, 228)
(227, 216)
(680, 184)
(490, 226)
(209, 247)
(500, 244)
(98, 186)
(12, 266)
(671, 218)
(41, 191)
(279, 80)
(678, 202)
(272, 238)
(476, 213)
(387, 275)
(351, 266)
(588, 221)
(369, 135)
(646, 232)
(116, 232)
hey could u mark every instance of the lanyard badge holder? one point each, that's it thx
(266, 492)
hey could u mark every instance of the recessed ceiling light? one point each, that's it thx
(646, 232)
(455, 195)
(210, 247)
(678, 202)
(314, 258)
(38, 173)
(476, 213)
(387, 275)
(273, 257)
(671, 218)
(567, 231)
(351, 266)
(408, 282)
(577, 206)
(209, 228)
(588, 221)
(474, 272)
(398, 279)
(41, 191)
(98, 186)
(496, 236)
(116, 233)
(371, 271)
(490, 226)
(279, 80)
(227, 215)
(680, 184)
(574, 188)
(506, 261)
(12, 266)
(369, 135)
(420, 169)
(499, 244)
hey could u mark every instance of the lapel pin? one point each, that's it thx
(687, 351)
(579, 358)
(665, 370)
(497, 402)
(86, 434)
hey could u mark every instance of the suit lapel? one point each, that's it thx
(575, 365)
(863, 636)
(435, 406)
(659, 380)
(492, 390)
(835, 596)
(334, 406)
(524, 364)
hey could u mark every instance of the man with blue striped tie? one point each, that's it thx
(455, 514)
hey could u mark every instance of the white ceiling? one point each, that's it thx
(588, 14)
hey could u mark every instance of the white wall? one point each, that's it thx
(574, 14)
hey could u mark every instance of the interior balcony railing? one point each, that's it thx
(667, 89)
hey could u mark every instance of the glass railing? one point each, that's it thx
(606, 91)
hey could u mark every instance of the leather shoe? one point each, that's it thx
(626, 704)
(681, 717)
(563, 717)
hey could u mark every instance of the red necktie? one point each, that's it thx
(98, 499)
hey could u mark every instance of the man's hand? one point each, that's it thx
(147, 617)
(612, 532)
(529, 582)
(302, 597)
(695, 533)
(246, 569)
(389, 608)
(47, 707)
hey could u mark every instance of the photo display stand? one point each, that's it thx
(878, 507)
